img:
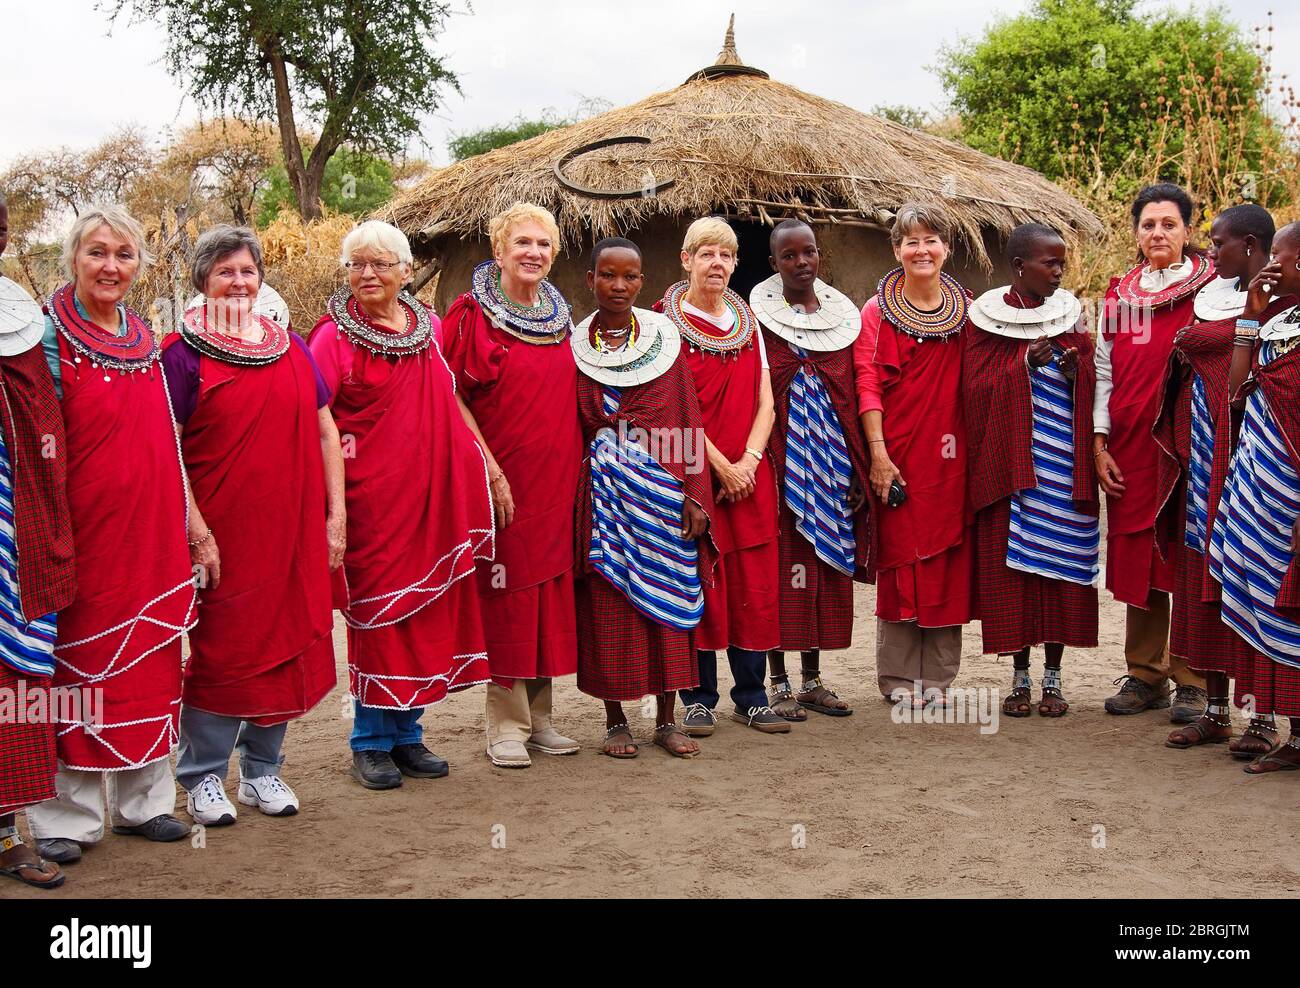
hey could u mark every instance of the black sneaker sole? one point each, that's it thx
(375, 785)
(411, 773)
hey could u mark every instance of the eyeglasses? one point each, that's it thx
(379, 267)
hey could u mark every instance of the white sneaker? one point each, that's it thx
(208, 805)
(269, 794)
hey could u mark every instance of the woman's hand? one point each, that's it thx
(205, 556)
(1261, 290)
(735, 481)
(1068, 361)
(694, 521)
(503, 502)
(336, 531)
(857, 494)
(1108, 473)
(1040, 352)
(883, 472)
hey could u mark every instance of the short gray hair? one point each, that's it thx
(217, 244)
(913, 216)
(117, 219)
(376, 235)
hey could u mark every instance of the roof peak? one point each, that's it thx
(728, 61)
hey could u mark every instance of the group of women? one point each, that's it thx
(501, 498)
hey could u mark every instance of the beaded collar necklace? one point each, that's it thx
(232, 349)
(918, 323)
(643, 359)
(361, 330)
(547, 322)
(711, 340)
(135, 350)
(1129, 288)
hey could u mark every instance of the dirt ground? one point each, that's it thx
(1089, 805)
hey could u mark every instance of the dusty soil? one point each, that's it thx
(881, 809)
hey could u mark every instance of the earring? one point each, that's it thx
(1248, 252)
(1020, 272)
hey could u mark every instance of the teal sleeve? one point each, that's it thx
(50, 343)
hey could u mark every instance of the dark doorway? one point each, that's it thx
(753, 266)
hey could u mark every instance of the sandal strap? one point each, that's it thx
(617, 729)
(9, 841)
(782, 691)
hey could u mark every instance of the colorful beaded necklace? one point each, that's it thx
(135, 350)
(233, 349)
(363, 332)
(711, 340)
(547, 322)
(1131, 293)
(939, 325)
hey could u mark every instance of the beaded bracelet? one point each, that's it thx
(198, 542)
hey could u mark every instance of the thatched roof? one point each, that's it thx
(733, 141)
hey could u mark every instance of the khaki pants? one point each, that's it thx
(907, 654)
(517, 714)
(135, 796)
(1146, 645)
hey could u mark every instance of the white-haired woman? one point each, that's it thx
(418, 509)
(507, 342)
(120, 639)
(908, 361)
(729, 366)
(266, 484)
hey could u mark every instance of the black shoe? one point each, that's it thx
(375, 770)
(419, 762)
(60, 850)
(162, 828)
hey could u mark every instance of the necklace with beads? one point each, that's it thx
(134, 350)
(943, 323)
(630, 333)
(363, 332)
(719, 342)
(549, 321)
(234, 349)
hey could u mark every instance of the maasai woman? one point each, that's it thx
(820, 459)
(908, 361)
(1027, 384)
(37, 572)
(643, 506)
(1195, 436)
(1255, 539)
(135, 589)
(507, 341)
(728, 365)
(1143, 310)
(262, 454)
(418, 510)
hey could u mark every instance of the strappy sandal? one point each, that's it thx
(1262, 731)
(1198, 732)
(1019, 702)
(620, 731)
(816, 697)
(781, 699)
(1273, 762)
(41, 877)
(1053, 702)
(665, 731)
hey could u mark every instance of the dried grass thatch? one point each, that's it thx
(733, 141)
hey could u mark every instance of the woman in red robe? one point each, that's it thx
(908, 360)
(418, 509)
(727, 362)
(1142, 312)
(135, 590)
(262, 454)
(506, 341)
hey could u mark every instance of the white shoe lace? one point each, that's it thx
(755, 711)
(270, 787)
(695, 708)
(210, 791)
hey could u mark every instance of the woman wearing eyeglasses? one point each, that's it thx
(418, 509)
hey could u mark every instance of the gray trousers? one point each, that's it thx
(208, 740)
(907, 654)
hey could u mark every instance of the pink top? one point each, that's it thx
(865, 371)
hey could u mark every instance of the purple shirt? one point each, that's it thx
(181, 366)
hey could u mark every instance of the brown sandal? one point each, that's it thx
(1203, 730)
(1017, 703)
(45, 874)
(781, 700)
(1255, 741)
(822, 699)
(1274, 762)
(613, 734)
(665, 731)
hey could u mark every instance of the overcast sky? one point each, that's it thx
(66, 80)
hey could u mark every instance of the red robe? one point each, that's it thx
(522, 397)
(923, 550)
(632, 656)
(135, 589)
(263, 648)
(816, 612)
(741, 606)
(1022, 609)
(419, 515)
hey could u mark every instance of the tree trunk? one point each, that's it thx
(306, 190)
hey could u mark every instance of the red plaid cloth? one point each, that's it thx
(33, 429)
(1269, 686)
(27, 751)
(622, 654)
(1019, 609)
(1196, 628)
(816, 599)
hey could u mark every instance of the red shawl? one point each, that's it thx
(1280, 382)
(522, 396)
(33, 430)
(262, 650)
(135, 590)
(668, 402)
(835, 371)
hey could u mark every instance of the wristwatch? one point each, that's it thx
(755, 453)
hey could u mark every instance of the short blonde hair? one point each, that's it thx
(710, 230)
(377, 236)
(913, 216)
(503, 223)
(117, 219)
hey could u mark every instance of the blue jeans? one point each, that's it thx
(383, 729)
(747, 669)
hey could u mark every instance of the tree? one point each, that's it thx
(1071, 74)
(476, 142)
(362, 73)
(908, 116)
(354, 183)
(230, 161)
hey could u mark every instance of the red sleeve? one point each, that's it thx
(332, 363)
(865, 373)
(474, 357)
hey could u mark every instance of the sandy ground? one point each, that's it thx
(881, 809)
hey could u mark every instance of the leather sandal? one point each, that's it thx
(612, 736)
(665, 731)
(35, 870)
(782, 701)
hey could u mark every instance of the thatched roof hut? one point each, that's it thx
(730, 141)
